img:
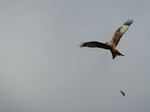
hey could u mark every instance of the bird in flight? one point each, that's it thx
(123, 93)
(111, 45)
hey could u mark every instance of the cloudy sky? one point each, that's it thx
(43, 69)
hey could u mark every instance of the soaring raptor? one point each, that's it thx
(111, 45)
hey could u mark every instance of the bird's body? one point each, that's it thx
(123, 93)
(111, 45)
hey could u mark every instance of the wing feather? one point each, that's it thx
(94, 44)
(129, 22)
(119, 33)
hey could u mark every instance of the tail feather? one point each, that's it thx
(116, 53)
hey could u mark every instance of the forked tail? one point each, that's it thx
(116, 53)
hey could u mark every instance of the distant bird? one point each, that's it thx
(111, 45)
(123, 93)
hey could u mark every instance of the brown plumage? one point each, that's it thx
(114, 41)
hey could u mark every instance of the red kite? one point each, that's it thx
(111, 45)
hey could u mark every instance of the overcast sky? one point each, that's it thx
(43, 69)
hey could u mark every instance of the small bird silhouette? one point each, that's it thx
(123, 93)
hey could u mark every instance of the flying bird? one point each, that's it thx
(123, 93)
(111, 45)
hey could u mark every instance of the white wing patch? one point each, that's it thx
(123, 29)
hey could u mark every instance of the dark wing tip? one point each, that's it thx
(83, 45)
(128, 22)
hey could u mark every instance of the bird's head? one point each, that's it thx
(107, 43)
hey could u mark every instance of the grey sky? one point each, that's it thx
(43, 69)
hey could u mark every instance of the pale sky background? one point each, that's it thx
(43, 69)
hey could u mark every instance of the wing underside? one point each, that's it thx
(119, 33)
(94, 44)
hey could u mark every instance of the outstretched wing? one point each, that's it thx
(94, 44)
(119, 33)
